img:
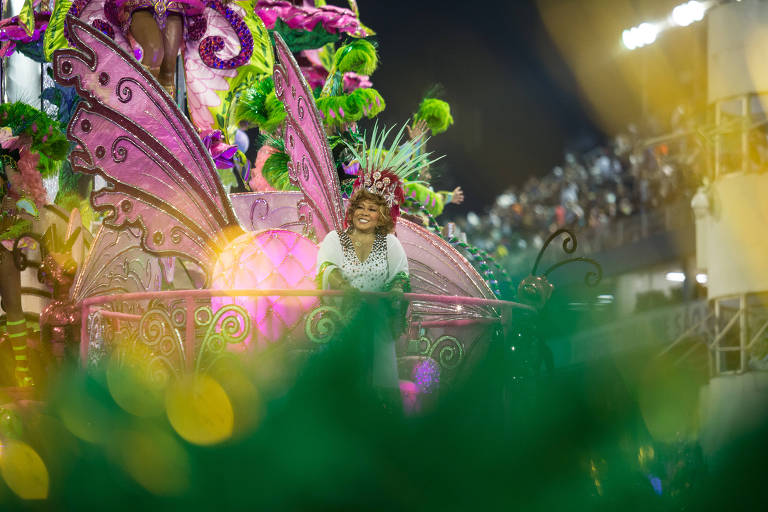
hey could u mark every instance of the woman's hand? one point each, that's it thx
(417, 129)
(396, 299)
(458, 196)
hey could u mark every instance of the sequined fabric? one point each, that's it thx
(121, 10)
(369, 275)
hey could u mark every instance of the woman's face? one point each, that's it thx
(365, 218)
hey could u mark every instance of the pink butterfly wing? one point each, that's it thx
(311, 167)
(130, 132)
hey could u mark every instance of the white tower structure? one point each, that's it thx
(732, 221)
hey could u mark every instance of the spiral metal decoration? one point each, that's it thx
(446, 350)
(166, 349)
(592, 278)
(229, 326)
(323, 324)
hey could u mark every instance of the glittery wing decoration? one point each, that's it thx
(233, 49)
(160, 176)
(453, 335)
(258, 211)
(116, 263)
(311, 167)
(437, 268)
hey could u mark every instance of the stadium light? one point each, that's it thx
(639, 36)
(675, 277)
(682, 16)
(687, 13)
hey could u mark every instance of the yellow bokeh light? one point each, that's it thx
(199, 410)
(131, 385)
(156, 461)
(24, 471)
(84, 415)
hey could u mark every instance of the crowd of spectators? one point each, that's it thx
(634, 177)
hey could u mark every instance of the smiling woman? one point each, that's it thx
(366, 256)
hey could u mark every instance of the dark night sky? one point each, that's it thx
(515, 104)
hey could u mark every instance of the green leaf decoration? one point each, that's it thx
(27, 17)
(26, 205)
(299, 39)
(54, 39)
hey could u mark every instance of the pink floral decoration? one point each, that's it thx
(306, 17)
(257, 181)
(354, 81)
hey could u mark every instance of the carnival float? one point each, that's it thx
(191, 273)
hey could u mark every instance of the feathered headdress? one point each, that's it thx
(383, 168)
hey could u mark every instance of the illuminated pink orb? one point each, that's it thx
(275, 258)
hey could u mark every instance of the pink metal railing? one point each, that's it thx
(189, 297)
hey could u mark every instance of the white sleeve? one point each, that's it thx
(397, 261)
(329, 257)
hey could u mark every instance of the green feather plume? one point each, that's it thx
(335, 111)
(275, 171)
(401, 158)
(368, 101)
(437, 114)
(260, 106)
(47, 136)
(359, 57)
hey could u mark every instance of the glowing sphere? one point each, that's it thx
(275, 258)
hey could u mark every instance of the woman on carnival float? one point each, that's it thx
(367, 256)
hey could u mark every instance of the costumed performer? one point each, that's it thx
(367, 256)
(435, 115)
(158, 26)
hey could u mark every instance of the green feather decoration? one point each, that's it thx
(401, 158)
(359, 57)
(275, 171)
(335, 112)
(47, 135)
(53, 38)
(437, 114)
(368, 101)
(47, 167)
(260, 106)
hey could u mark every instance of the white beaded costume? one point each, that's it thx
(385, 265)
